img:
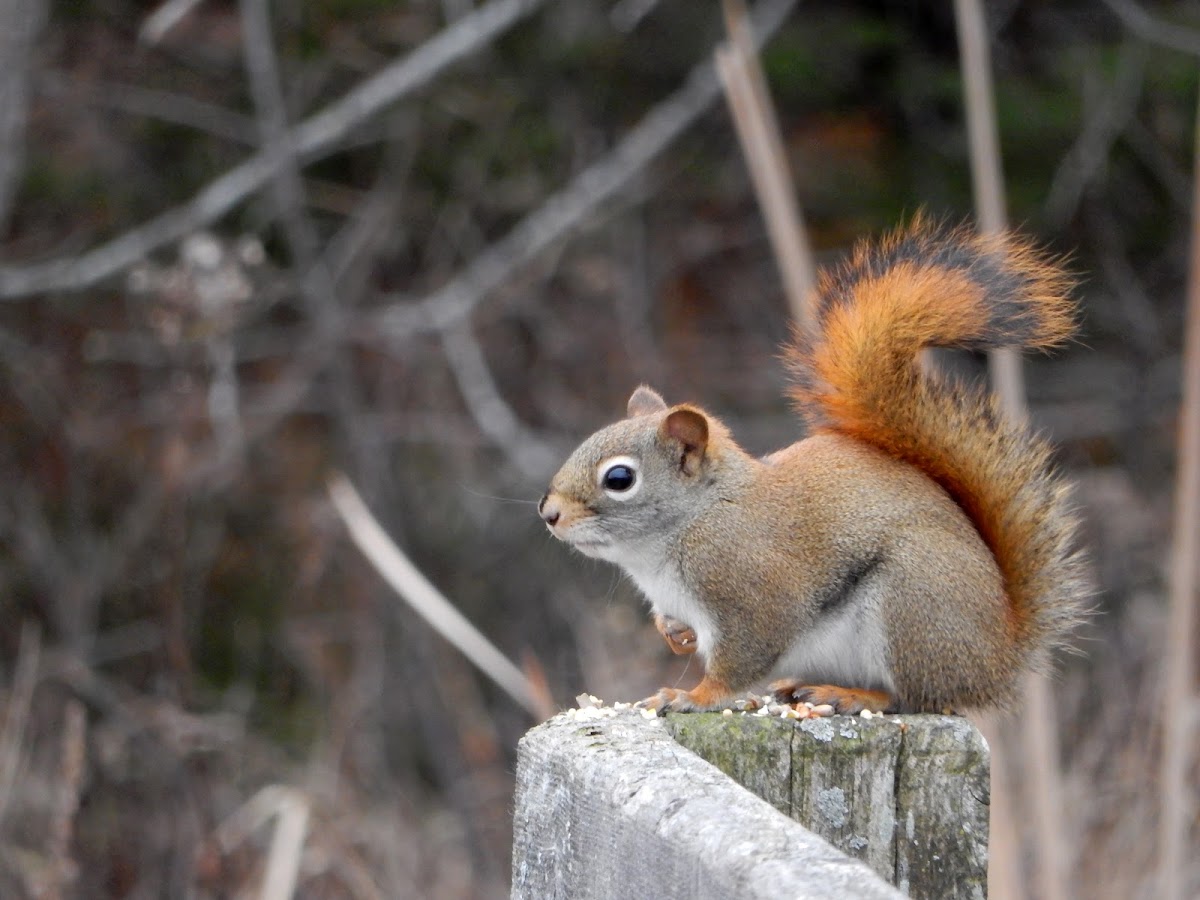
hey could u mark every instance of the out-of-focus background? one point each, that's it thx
(432, 245)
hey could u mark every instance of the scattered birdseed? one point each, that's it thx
(590, 707)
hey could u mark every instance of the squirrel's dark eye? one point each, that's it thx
(619, 478)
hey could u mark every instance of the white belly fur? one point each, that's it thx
(669, 596)
(848, 650)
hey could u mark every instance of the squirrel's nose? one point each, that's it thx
(549, 510)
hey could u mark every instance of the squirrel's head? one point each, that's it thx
(637, 479)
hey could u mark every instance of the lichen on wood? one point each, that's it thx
(908, 795)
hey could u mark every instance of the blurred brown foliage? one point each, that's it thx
(185, 624)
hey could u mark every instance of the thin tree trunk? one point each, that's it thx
(1039, 732)
(1178, 798)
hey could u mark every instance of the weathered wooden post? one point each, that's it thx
(908, 795)
(611, 804)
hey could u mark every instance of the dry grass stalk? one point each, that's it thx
(1004, 851)
(758, 132)
(163, 19)
(399, 572)
(287, 846)
(16, 715)
(290, 809)
(1178, 797)
(62, 868)
(1039, 732)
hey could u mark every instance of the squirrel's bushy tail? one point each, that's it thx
(859, 373)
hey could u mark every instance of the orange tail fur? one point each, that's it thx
(859, 374)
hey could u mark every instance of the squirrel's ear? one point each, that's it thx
(690, 429)
(644, 401)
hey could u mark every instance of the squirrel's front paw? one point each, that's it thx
(664, 701)
(670, 700)
(847, 701)
(680, 637)
(708, 694)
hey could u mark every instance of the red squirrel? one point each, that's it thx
(916, 552)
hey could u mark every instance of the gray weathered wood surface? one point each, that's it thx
(908, 795)
(614, 807)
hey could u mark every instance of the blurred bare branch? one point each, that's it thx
(1153, 30)
(33, 387)
(318, 289)
(75, 573)
(426, 600)
(166, 106)
(376, 222)
(494, 416)
(258, 50)
(1145, 328)
(626, 14)
(1115, 108)
(1150, 152)
(23, 20)
(571, 206)
(316, 135)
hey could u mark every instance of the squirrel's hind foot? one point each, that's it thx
(844, 700)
